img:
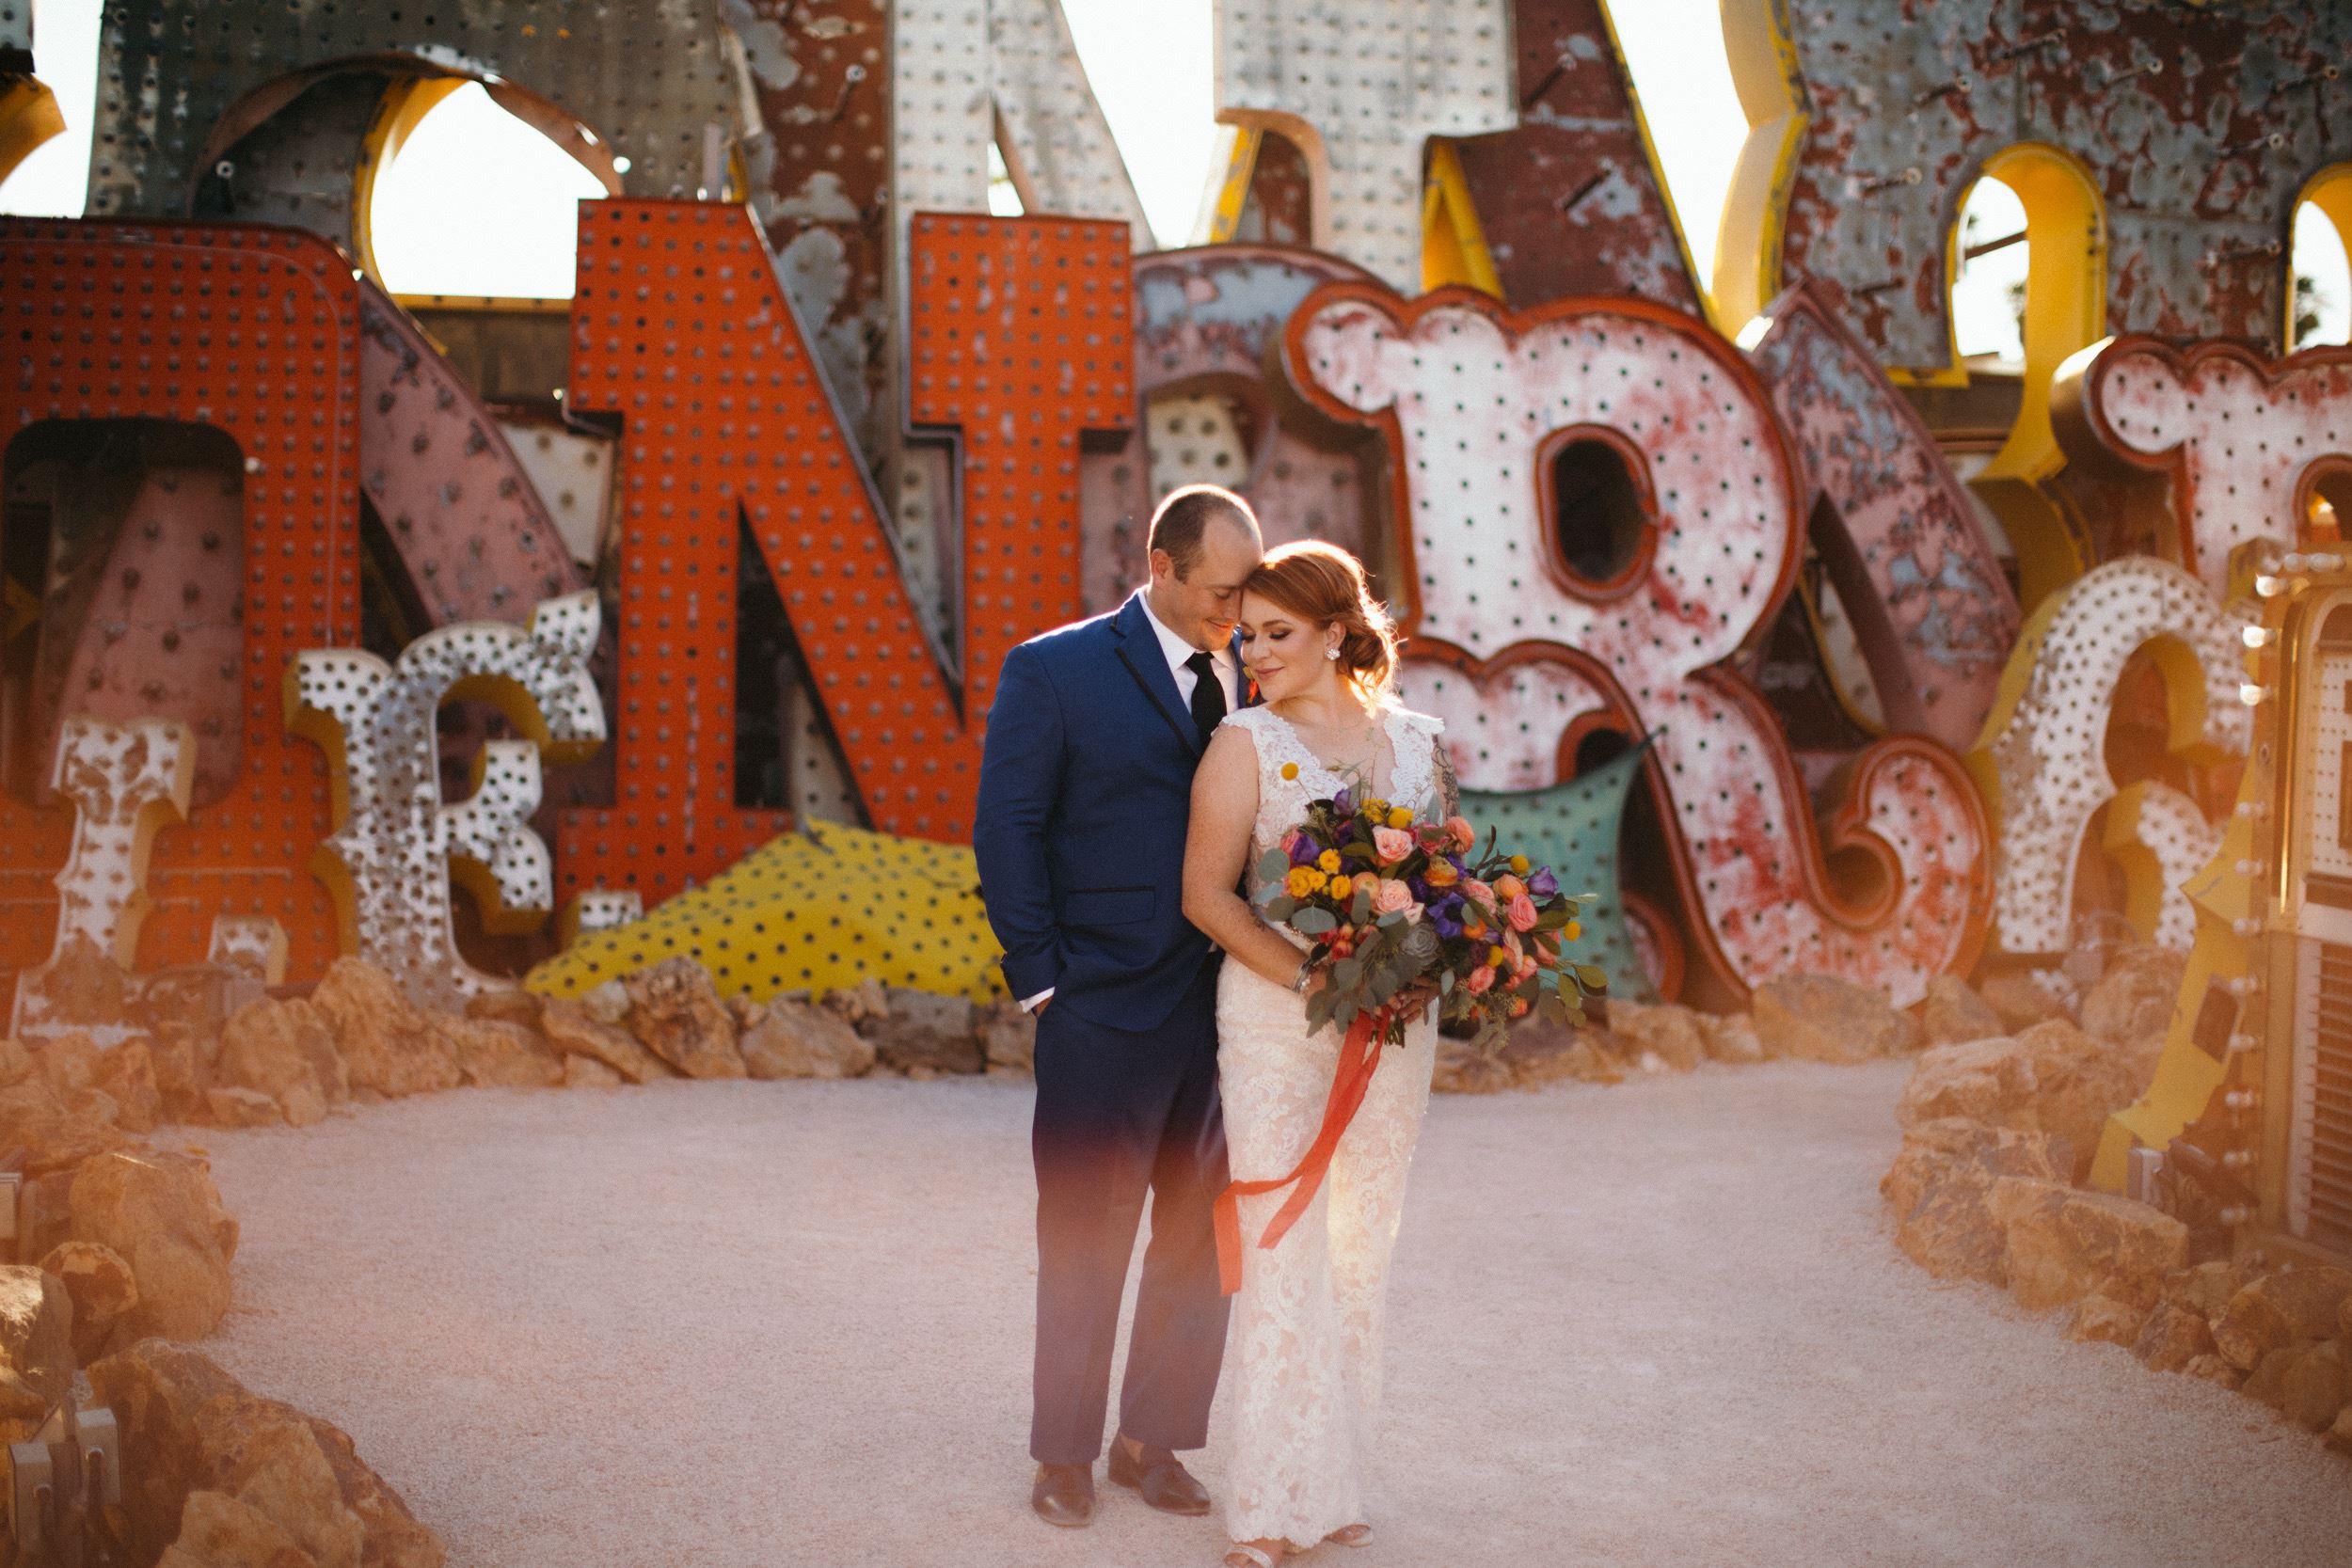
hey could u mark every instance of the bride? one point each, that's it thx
(1304, 1348)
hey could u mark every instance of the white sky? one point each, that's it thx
(442, 226)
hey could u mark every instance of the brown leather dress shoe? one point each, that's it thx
(1156, 1473)
(1064, 1495)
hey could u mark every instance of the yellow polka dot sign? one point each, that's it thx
(821, 907)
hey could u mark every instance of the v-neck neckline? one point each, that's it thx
(1385, 728)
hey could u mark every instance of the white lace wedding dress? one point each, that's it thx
(1302, 1365)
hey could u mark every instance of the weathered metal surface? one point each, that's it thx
(459, 507)
(252, 942)
(1914, 571)
(1020, 340)
(647, 75)
(1057, 145)
(2197, 124)
(1570, 202)
(255, 332)
(1269, 194)
(1358, 87)
(570, 467)
(1209, 326)
(1468, 393)
(2043, 765)
(2162, 840)
(297, 167)
(141, 612)
(819, 164)
(390, 858)
(123, 783)
(2242, 441)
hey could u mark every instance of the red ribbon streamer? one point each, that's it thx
(1359, 1053)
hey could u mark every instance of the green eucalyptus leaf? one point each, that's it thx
(1362, 910)
(1592, 977)
(1313, 921)
(1273, 866)
(1281, 907)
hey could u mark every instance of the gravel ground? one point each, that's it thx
(764, 1323)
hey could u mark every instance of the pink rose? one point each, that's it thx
(1526, 967)
(1521, 914)
(1391, 844)
(1290, 842)
(1465, 836)
(1392, 897)
(1478, 891)
(1482, 980)
(1434, 836)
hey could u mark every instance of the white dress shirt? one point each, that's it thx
(1177, 650)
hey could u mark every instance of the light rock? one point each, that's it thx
(495, 1054)
(53, 1135)
(2213, 1369)
(2101, 1318)
(16, 1062)
(2317, 1385)
(746, 1012)
(217, 1530)
(36, 1341)
(1008, 1039)
(236, 1107)
(1541, 1051)
(792, 1039)
(385, 1043)
(188, 1427)
(924, 1036)
(1940, 1188)
(2285, 1308)
(858, 1003)
(608, 1004)
(2172, 1337)
(1986, 1081)
(505, 1004)
(161, 1213)
(126, 1075)
(287, 1050)
(2204, 1289)
(1731, 1038)
(1669, 1029)
(587, 1073)
(2025, 997)
(676, 1014)
(2131, 1004)
(572, 1033)
(104, 1289)
(2064, 1243)
(2268, 1381)
(1461, 1070)
(2077, 1082)
(1953, 1012)
(1820, 1018)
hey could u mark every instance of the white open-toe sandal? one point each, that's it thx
(1351, 1535)
(1241, 1554)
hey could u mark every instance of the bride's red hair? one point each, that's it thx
(1323, 586)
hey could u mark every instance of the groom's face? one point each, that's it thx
(1203, 604)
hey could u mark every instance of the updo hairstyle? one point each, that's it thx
(1323, 585)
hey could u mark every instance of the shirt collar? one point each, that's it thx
(1176, 649)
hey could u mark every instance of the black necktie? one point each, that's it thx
(1208, 694)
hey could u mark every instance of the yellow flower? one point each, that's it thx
(1518, 864)
(1328, 860)
(1290, 770)
(1343, 888)
(1304, 880)
(1572, 930)
(1497, 957)
(1400, 817)
(1377, 810)
(1442, 874)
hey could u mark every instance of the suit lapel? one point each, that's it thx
(1139, 646)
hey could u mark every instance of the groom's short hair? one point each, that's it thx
(1183, 517)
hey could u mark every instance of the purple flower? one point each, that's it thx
(1340, 803)
(1305, 850)
(1444, 922)
(1543, 884)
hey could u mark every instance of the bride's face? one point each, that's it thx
(1284, 654)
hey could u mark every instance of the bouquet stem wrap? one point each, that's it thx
(1360, 1055)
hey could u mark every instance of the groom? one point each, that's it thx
(1085, 789)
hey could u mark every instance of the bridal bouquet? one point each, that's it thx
(1400, 910)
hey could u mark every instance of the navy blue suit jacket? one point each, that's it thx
(1086, 791)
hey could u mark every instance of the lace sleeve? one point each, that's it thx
(1449, 787)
